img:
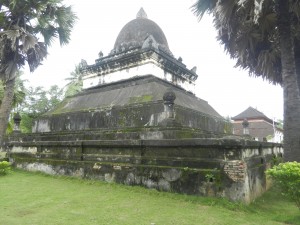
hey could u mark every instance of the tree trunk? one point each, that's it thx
(290, 87)
(297, 60)
(5, 107)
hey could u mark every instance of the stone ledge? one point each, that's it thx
(189, 142)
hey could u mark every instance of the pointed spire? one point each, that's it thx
(141, 14)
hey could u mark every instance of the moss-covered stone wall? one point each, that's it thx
(232, 168)
(136, 116)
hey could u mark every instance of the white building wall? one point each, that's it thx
(149, 67)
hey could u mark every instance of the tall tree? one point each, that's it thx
(264, 37)
(27, 28)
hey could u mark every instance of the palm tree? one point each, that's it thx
(75, 83)
(22, 23)
(264, 37)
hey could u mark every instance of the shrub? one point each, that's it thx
(287, 177)
(4, 168)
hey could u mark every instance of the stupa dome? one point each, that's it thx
(135, 32)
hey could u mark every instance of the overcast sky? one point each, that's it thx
(227, 89)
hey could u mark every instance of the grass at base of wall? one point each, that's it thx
(33, 198)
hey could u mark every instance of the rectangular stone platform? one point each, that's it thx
(226, 167)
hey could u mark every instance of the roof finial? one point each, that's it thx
(142, 14)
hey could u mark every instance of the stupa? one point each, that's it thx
(138, 122)
(138, 85)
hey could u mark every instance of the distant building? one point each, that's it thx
(256, 124)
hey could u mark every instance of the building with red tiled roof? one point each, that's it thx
(257, 125)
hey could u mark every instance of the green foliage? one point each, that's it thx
(19, 90)
(75, 82)
(5, 167)
(18, 98)
(26, 123)
(287, 177)
(270, 137)
(276, 160)
(210, 177)
(228, 127)
(10, 125)
(214, 176)
(37, 102)
(31, 102)
(73, 89)
(279, 124)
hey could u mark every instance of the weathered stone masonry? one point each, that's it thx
(237, 166)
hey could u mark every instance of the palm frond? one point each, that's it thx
(295, 8)
(48, 31)
(12, 35)
(36, 55)
(247, 30)
(2, 19)
(225, 12)
(257, 10)
(13, 3)
(65, 18)
(75, 83)
(28, 41)
(201, 7)
(27, 27)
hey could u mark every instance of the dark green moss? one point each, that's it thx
(140, 99)
(185, 134)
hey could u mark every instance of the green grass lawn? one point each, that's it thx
(32, 198)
